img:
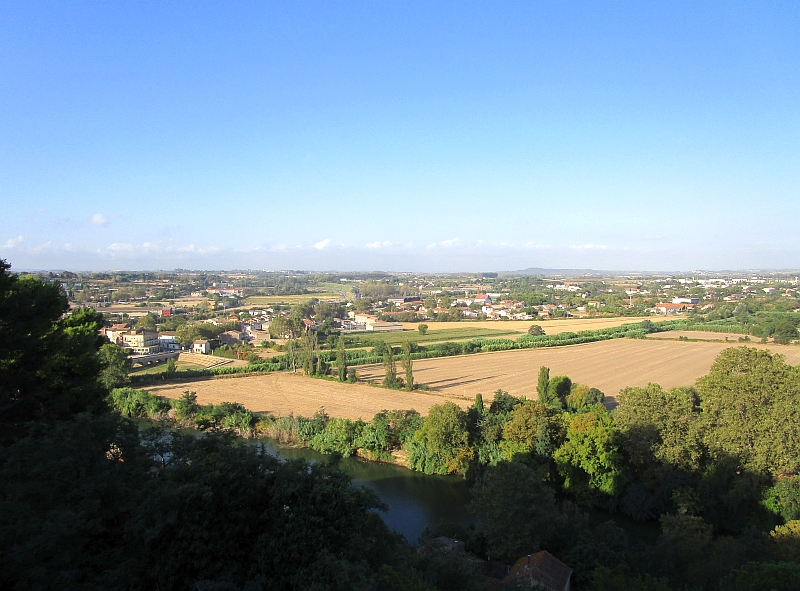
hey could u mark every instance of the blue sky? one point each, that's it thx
(406, 136)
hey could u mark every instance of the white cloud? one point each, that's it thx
(120, 247)
(378, 244)
(44, 247)
(99, 219)
(445, 243)
(12, 242)
(590, 246)
(322, 244)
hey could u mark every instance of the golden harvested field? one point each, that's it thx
(285, 393)
(549, 326)
(608, 365)
(699, 335)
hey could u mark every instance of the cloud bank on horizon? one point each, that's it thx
(413, 137)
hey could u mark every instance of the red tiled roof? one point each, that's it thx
(544, 568)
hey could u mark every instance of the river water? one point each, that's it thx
(415, 500)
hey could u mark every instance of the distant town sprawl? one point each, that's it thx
(234, 312)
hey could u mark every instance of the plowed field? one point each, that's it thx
(608, 365)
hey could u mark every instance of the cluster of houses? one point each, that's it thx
(145, 341)
(490, 306)
(678, 305)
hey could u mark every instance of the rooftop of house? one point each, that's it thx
(542, 566)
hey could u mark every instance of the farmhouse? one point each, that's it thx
(231, 337)
(202, 346)
(670, 308)
(541, 569)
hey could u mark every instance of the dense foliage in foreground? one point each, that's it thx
(90, 501)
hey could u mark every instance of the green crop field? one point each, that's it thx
(289, 300)
(333, 287)
(437, 336)
(162, 367)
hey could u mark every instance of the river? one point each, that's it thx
(415, 500)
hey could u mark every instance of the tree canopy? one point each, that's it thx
(49, 365)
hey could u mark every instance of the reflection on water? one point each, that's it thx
(415, 500)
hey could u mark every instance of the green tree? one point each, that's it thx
(408, 366)
(558, 389)
(531, 427)
(517, 514)
(283, 327)
(660, 427)
(220, 516)
(115, 360)
(186, 406)
(543, 385)
(422, 328)
(49, 362)
(147, 321)
(750, 403)
(786, 541)
(390, 368)
(622, 578)
(341, 359)
(763, 576)
(589, 459)
(536, 330)
(785, 332)
(441, 445)
(308, 349)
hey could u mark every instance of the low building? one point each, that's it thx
(167, 342)
(231, 337)
(202, 346)
(541, 569)
(142, 341)
(693, 301)
(670, 308)
(114, 333)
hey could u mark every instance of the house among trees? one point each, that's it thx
(671, 308)
(541, 569)
(232, 337)
(201, 346)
